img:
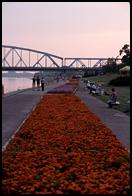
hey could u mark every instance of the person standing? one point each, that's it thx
(42, 84)
(33, 84)
(38, 83)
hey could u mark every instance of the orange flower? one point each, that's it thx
(64, 148)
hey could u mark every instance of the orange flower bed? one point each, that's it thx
(73, 81)
(64, 148)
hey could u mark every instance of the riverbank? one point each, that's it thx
(12, 84)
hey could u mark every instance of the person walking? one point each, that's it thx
(42, 84)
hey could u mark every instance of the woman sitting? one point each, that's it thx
(113, 98)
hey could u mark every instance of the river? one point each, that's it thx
(13, 84)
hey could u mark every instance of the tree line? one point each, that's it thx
(111, 64)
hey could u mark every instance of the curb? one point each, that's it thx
(5, 145)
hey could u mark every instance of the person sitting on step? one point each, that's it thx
(93, 89)
(112, 99)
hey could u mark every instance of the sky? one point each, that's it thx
(67, 29)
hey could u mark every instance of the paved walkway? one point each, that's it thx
(117, 121)
(16, 106)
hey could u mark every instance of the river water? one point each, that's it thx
(13, 84)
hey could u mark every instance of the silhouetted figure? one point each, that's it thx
(42, 84)
(33, 84)
(38, 83)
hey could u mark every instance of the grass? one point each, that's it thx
(123, 92)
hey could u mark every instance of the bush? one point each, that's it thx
(120, 81)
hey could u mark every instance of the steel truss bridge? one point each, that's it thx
(25, 59)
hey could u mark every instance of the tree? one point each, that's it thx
(111, 61)
(126, 57)
(110, 66)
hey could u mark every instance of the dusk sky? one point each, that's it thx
(67, 29)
